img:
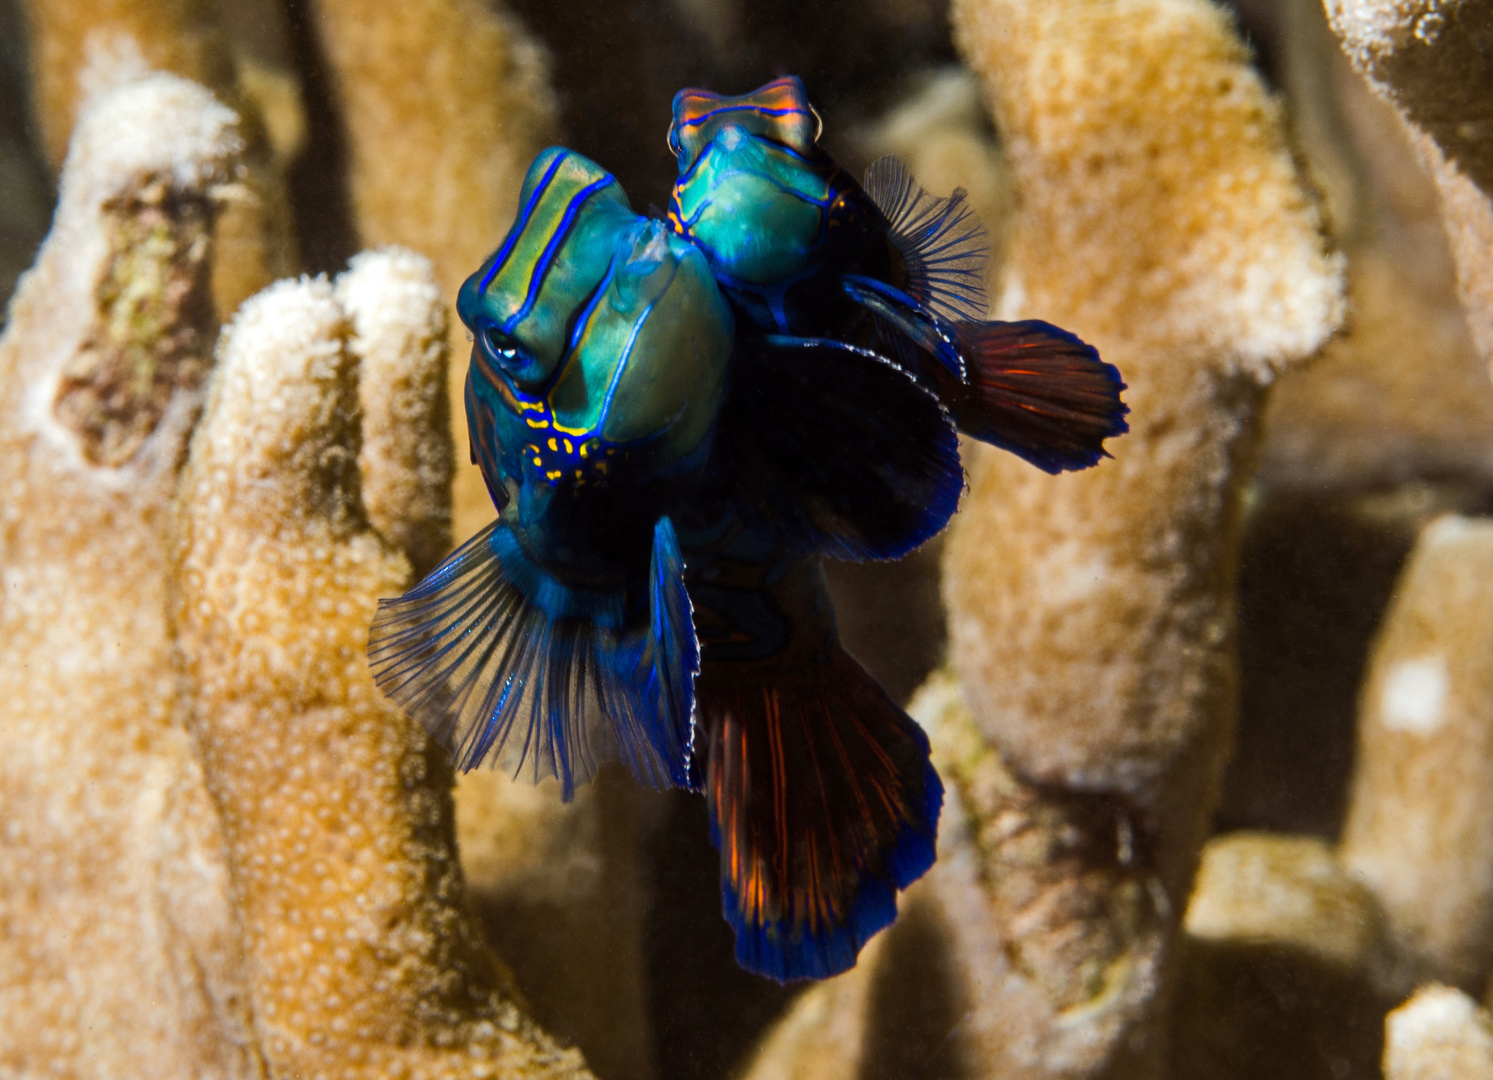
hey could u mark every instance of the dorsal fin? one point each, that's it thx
(942, 241)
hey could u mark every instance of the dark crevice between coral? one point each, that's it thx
(26, 190)
(1246, 1010)
(617, 67)
(917, 1003)
(707, 1013)
(318, 180)
(152, 327)
(1317, 571)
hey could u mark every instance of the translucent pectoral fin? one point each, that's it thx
(823, 804)
(943, 244)
(1039, 392)
(507, 666)
(839, 450)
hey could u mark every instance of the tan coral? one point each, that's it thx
(1280, 965)
(1439, 1034)
(1161, 217)
(360, 955)
(1029, 950)
(399, 330)
(83, 48)
(1430, 58)
(445, 103)
(119, 956)
(1420, 821)
(1404, 392)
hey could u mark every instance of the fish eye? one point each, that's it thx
(509, 356)
(673, 141)
(819, 120)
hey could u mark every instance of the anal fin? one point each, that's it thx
(823, 804)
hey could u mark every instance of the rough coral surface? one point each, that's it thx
(118, 955)
(361, 959)
(1432, 59)
(84, 48)
(1439, 1034)
(1162, 218)
(399, 326)
(1420, 823)
(445, 103)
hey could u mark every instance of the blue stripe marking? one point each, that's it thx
(547, 257)
(585, 317)
(637, 327)
(744, 108)
(522, 222)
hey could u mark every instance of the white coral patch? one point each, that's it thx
(1414, 696)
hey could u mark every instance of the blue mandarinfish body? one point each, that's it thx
(560, 635)
(823, 802)
(802, 249)
(666, 492)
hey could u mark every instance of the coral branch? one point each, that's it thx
(1420, 823)
(445, 103)
(119, 956)
(88, 47)
(1439, 1034)
(1163, 219)
(1431, 58)
(361, 957)
(399, 329)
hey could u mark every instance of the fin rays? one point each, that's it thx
(942, 241)
(498, 679)
(823, 804)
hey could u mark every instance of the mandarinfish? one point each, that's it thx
(665, 499)
(802, 249)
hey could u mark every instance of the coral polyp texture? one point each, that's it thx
(224, 854)
(1431, 59)
(336, 810)
(112, 849)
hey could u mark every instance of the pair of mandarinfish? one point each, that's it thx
(678, 420)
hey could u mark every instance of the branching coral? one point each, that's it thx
(1420, 824)
(118, 956)
(445, 102)
(291, 861)
(80, 49)
(1432, 59)
(223, 855)
(335, 807)
(1162, 218)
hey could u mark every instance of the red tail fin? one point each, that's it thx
(1037, 391)
(823, 804)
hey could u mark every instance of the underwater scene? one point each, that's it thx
(746, 540)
